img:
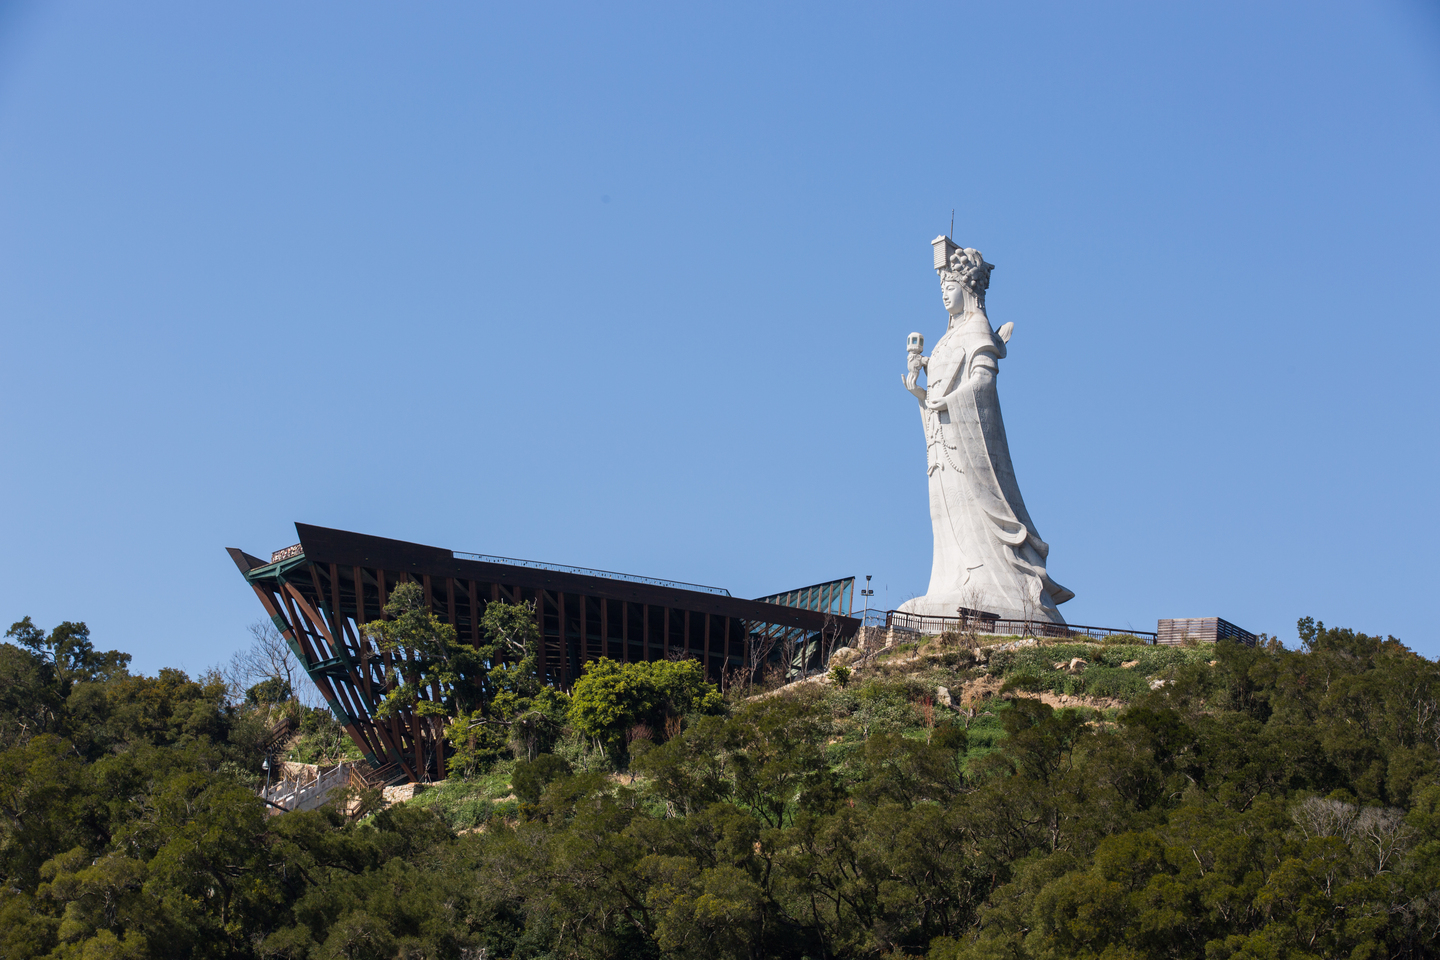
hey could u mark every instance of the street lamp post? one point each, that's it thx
(867, 593)
(265, 765)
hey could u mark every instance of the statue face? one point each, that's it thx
(953, 293)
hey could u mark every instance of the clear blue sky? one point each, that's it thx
(627, 287)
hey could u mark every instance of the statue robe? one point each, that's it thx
(988, 555)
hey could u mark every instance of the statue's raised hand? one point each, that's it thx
(911, 382)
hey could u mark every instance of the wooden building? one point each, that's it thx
(321, 591)
(1205, 629)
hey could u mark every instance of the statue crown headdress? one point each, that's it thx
(964, 264)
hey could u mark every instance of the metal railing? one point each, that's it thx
(588, 572)
(287, 553)
(1000, 626)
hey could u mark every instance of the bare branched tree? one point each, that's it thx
(1379, 834)
(788, 647)
(268, 657)
(1029, 604)
(829, 637)
(1384, 834)
(733, 679)
(760, 647)
(1427, 718)
(970, 600)
(1319, 817)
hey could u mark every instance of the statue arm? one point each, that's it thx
(911, 378)
(983, 363)
(911, 383)
(940, 390)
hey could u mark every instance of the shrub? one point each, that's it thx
(1033, 668)
(841, 675)
(463, 804)
(470, 813)
(612, 698)
(272, 690)
(1115, 683)
(322, 738)
(506, 810)
(530, 778)
(880, 706)
(1122, 639)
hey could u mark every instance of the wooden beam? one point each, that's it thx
(398, 725)
(304, 613)
(584, 633)
(576, 655)
(362, 645)
(321, 602)
(359, 595)
(337, 614)
(474, 615)
(303, 636)
(540, 653)
(564, 659)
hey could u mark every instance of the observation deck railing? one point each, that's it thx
(999, 626)
(589, 572)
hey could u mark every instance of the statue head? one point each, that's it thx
(965, 273)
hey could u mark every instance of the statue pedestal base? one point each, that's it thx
(943, 606)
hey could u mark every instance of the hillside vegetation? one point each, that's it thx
(1209, 802)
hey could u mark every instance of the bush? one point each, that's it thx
(532, 777)
(1115, 683)
(876, 706)
(1103, 675)
(958, 659)
(506, 810)
(273, 690)
(841, 675)
(986, 731)
(322, 739)
(611, 698)
(470, 813)
(462, 804)
(1122, 639)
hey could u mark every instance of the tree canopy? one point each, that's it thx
(612, 699)
(1260, 803)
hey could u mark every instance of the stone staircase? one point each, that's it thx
(306, 791)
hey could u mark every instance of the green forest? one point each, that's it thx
(1071, 800)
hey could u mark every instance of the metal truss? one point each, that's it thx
(321, 593)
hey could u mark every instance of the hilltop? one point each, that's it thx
(1211, 802)
(908, 687)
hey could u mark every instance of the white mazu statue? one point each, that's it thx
(988, 555)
